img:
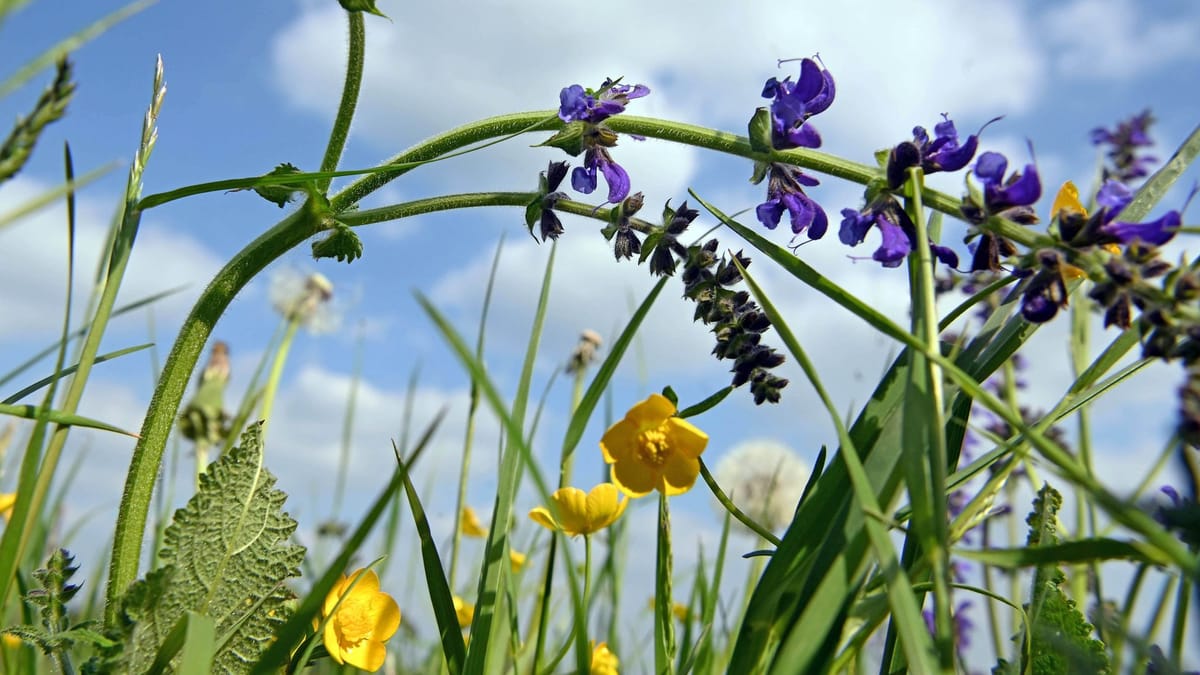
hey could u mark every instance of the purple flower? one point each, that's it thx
(962, 625)
(576, 104)
(943, 152)
(999, 195)
(785, 191)
(1046, 292)
(579, 105)
(583, 178)
(1155, 232)
(1123, 143)
(896, 231)
(795, 102)
(1103, 226)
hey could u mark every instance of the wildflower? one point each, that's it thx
(604, 662)
(785, 191)
(516, 559)
(359, 620)
(896, 230)
(651, 449)
(1102, 227)
(765, 479)
(469, 525)
(962, 625)
(590, 109)
(10, 641)
(580, 513)
(7, 501)
(303, 299)
(943, 152)
(1011, 199)
(1123, 143)
(795, 102)
(464, 611)
(678, 610)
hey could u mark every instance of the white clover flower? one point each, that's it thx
(304, 298)
(765, 479)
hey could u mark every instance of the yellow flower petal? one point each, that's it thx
(620, 442)
(1067, 200)
(651, 412)
(468, 523)
(634, 478)
(604, 506)
(685, 438)
(572, 510)
(541, 516)
(679, 474)
(7, 500)
(464, 611)
(604, 662)
(516, 559)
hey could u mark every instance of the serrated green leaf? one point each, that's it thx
(341, 243)
(1061, 638)
(226, 553)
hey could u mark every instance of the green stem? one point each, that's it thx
(925, 328)
(350, 89)
(738, 514)
(273, 378)
(201, 458)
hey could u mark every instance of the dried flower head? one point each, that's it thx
(765, 479)
(304, 299)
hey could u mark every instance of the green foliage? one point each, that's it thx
(279, 195)
(1061, 638)
(51, 106)
(341, 243)
(225, 556)
(56, 635)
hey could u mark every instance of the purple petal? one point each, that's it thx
(1171, 492)
(820, 223)
(800, 208)
(953, 158)
(1114, 196)
(1022, 192)
(574, 103)
(1155, 232)
(617, 179)
(990, 168)
(1038, 308)
(769, 213)
(824, 99)
(804, 136)
(945, 254)
(945, 130)
(583, 179)
(854, 227)
(895, 246)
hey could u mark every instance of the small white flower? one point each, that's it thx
(765, 479)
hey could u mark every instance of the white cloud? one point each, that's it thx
(35, 266)
(1114, 39)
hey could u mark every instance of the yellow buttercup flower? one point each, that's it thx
(516, 559)
(604, 662)
(464, 611)
(651, 449)
(581, 513)
(469, 523)
(366, 617)
(7, 500)
(680, 610)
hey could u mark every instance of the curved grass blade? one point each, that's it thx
(48, 197)
(70, 369)
(1077, 551)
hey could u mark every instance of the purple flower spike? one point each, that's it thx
(578, 105)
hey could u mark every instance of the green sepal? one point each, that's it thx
(609, 230)
(533, 214)
(760, 131)
(279, 195)
(367, 6)
(974, 193)
(670, 395)
(341, 243)
(760, 172)
(649, 244)
(882, 156)
(569, 140)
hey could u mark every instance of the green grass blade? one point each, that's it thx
(193, 638)
(69, 370)
(60, 418)
(450, 635)
(1076, 551)
(70, 44)
(12, 216)
(664, 615)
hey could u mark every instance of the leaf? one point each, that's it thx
(279, 195)
(225, 554)
(1062, 639)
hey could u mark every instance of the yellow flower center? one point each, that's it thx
(653, 448)
(353, 622)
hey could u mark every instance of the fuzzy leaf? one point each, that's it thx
(1062, 639)
(279, 195)
(341, 243)
(226, 553)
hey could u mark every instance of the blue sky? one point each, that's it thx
(249, 88)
